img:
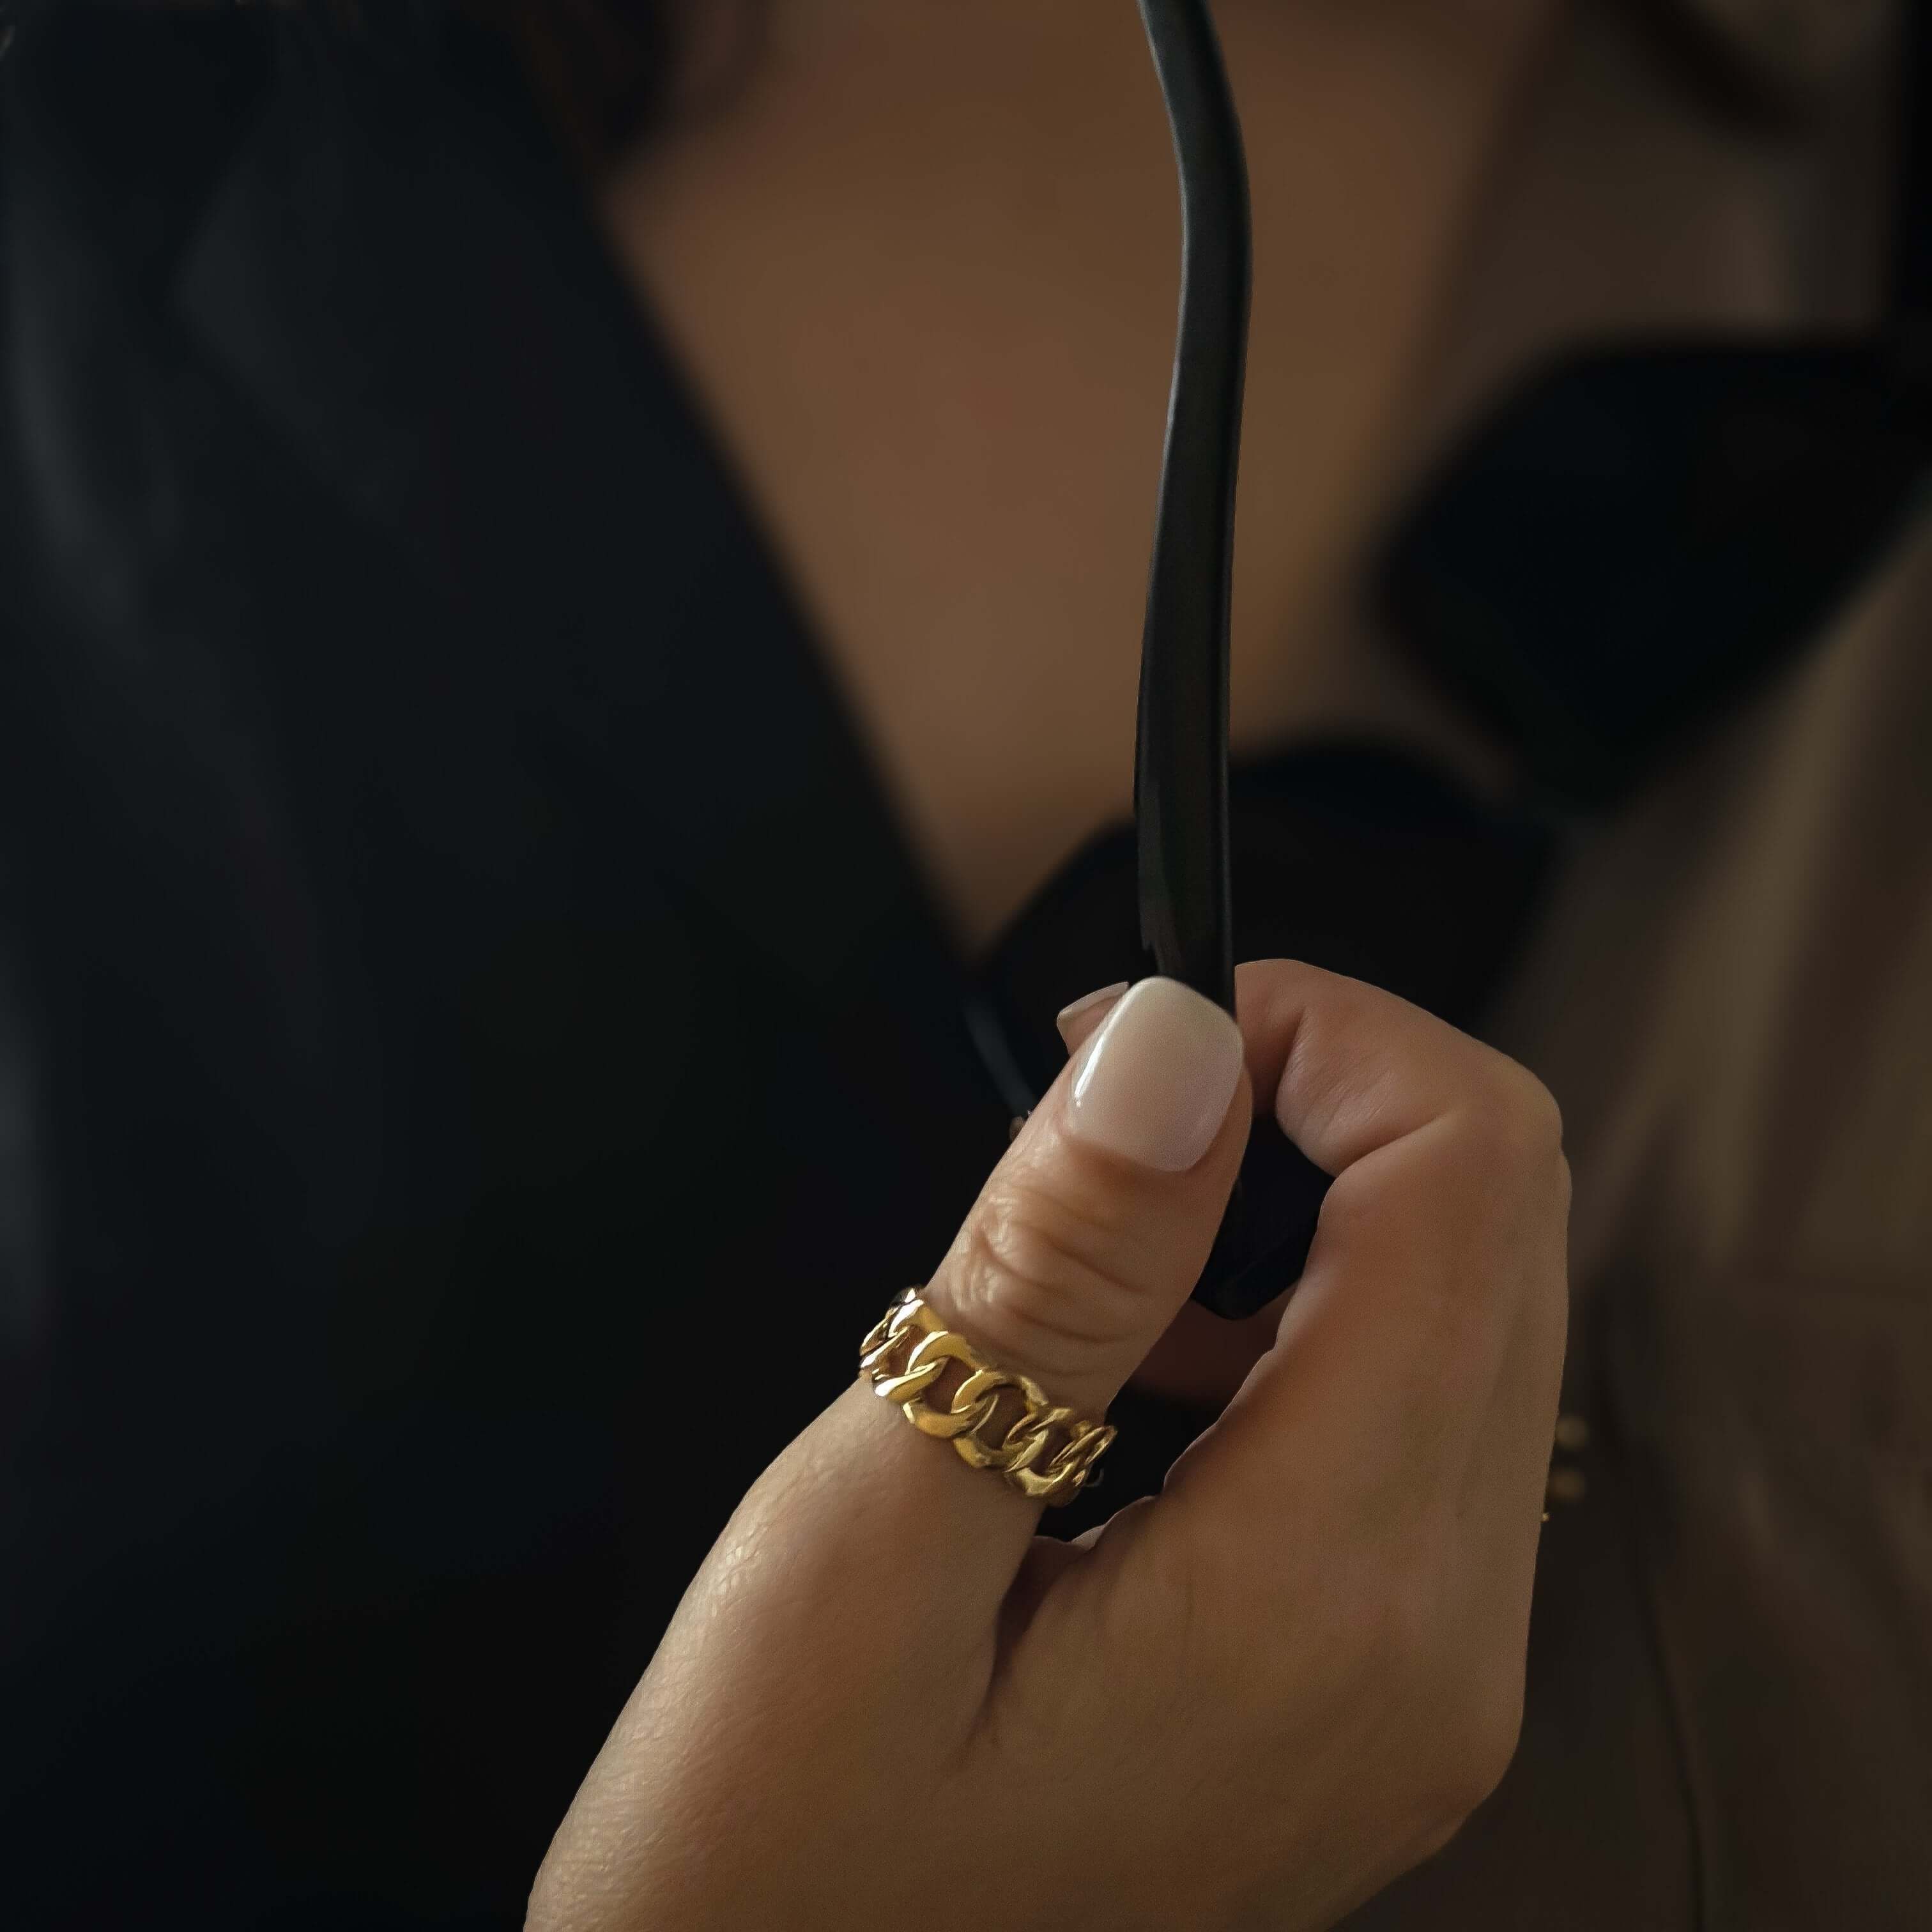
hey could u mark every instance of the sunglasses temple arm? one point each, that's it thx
(1180, 760)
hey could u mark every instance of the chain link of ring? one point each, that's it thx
(906, 1351)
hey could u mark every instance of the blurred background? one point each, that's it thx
(570, 577)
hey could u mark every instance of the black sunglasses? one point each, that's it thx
(1635, 540)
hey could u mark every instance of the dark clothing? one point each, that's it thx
(458, 973)
(460, 977)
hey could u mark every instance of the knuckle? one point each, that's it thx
(1517, 1117)
(1489, 1734)
(1476, 1734)
(1436, 1839)
(1466, 1708)
(1037, 1270)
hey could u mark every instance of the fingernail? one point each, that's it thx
(1153, 1083)
(1068, 1014)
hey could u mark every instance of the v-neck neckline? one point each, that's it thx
(477, 373)
(477, 377)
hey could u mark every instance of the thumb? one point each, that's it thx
(850, 1610)
(1091, 1232)
(1086, 1238)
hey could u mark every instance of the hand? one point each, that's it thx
(1249, 1702)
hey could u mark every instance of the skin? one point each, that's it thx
(909, 176)
(919, 264)
(1249, 1702)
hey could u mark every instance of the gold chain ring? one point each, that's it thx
(906, 1352)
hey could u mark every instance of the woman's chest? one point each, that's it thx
(929, 310)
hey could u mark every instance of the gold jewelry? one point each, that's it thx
(906, 1351)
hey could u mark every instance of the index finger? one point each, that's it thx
(1349, 1069)
(1438, 1269)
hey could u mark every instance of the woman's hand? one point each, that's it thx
(1251, 1701)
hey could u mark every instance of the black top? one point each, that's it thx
(458, 973)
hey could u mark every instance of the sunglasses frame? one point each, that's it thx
(1181, 751)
